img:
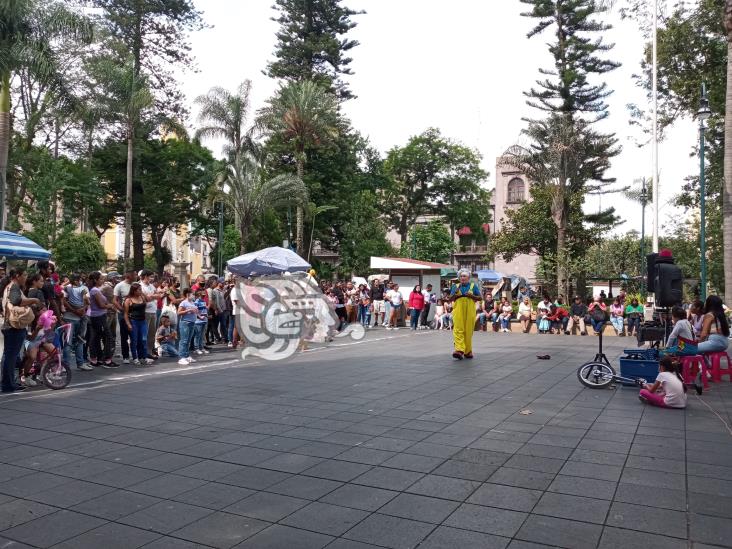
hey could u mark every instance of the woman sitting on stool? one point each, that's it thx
(714, 337)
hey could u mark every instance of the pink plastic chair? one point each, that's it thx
(717, 370)
(687, 367)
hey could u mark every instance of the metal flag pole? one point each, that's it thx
(656, 197)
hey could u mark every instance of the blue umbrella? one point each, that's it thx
(268, 261)
(15, 246)
(490, 275)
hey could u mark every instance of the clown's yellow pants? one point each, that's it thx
(463, 319)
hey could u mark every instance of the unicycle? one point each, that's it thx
(599, 374)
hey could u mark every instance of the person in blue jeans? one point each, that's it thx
(166, 337)
(76, 302)
(200, 324)
(135, 305)
(10, 290)
(187, 312)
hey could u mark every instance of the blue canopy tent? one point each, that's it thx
(15, 246)
(489, 275)
(269, 261)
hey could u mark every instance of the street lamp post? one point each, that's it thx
(644, 201)
(703, 115)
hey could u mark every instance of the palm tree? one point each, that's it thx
(316, 210)
(727, 191)
(225, 115)
(245, 188)
(304, 115)
(27, 28)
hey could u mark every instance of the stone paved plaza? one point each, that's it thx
(382, 443)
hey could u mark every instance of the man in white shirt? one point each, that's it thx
(429, 302)
(395, 299)
(151, 309)
(120, 294)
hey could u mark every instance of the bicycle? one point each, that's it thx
(54, 372)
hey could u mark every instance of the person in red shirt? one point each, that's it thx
(416, 304)
(559, 317)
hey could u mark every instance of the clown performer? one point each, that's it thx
(464, 294)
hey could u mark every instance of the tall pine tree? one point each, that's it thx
(566, 153)
(311, 43)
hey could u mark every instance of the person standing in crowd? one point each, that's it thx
(597, 313)
(14, 332)
(199, 284)
(714, 336)
(395, 299)
(377, 301)
(151, 294)
(34, 290)
(463, 295)
(616, 316)
(221, 311)
(364, 306)
(134, 311)
(187, 313)
(100, 351)
(107, 289)
(429, 301)
(634, 314)
(351, 303)
(166, 338)
(229, 296)
(75, 303)
(200, 324)
(416, 304)
(121, 291)
(389, 286)
(47, 271)
(524, 314)
(577, 313)
(523, 293)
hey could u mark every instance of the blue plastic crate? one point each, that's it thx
(634, 368)
(642, 354)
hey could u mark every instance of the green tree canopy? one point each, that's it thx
(79, 252)
(430, 242)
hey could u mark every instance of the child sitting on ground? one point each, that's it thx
(668, 391)
(166, 338)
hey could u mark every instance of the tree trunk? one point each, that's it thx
(727, 190)
(242, 238)
(299, 228)
(4, 143)
(128, 196)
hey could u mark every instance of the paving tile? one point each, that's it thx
(612, 538)
(266, 506)
(165, 517)
(390, 479)
(20, 511)
(221, 530)
(290, 463)
(321, 449)
(599, 458)
(577, 486)
(247, 456)
(110, 536)
(300, 486)
(279, 537)
(445, 537)
(489, 520)
(392, 532)
(533, 463)
(254, 478)
(356, 496)
(334, 469)
(656, 497)
(560, 532)
(342, 543)
(325, 518)
(647, 519)
(657, 464)
(482, 457)
(23, 487)
(123, 476)
(534, 480)
(422, 508)
(166, 486)
(572, 507)
(70, 493)
(369, 456)
(57, 527)
(413, 462)
(590, 470)
(444, 487)
(389, 444)
(713, 530)
(214, 495)
(209, 469)
(505, 497)
(465, 470)
(6, 543)
(115, 505)
(433, 450)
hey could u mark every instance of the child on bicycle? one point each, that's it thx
(668, 391)
(42, 337)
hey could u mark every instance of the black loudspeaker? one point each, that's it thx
(668, 285)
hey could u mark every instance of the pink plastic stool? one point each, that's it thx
(717, 370)
(688, 363)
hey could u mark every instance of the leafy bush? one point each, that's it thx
(78, 252)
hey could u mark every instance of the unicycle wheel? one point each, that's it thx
(596, 375)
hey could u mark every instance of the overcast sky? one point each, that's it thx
(461, 66)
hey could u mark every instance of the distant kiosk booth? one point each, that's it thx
(410, 272)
